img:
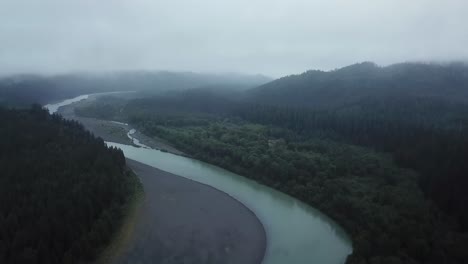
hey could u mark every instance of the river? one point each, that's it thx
(296, 233)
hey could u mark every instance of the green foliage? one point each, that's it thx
(61, 189)
(380, 204)
(428, 136)
(355, 83)
(106, 109)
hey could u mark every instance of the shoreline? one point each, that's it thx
(113, 131)
(123, 235)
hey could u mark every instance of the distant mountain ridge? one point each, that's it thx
(357, 82)
(27, 89)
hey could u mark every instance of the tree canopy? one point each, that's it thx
(62, 191)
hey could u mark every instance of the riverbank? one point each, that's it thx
(186, 221)
(114, 131)
(121, 239)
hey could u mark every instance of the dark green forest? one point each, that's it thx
(63, 192)
(356, 83)
(382, 150)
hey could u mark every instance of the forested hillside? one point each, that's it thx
(381, 150)
(62, 191)
(359, 82)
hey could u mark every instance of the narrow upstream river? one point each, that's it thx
(296, 233)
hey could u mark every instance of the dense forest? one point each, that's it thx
(63, 192)
(381, 150)
(356, 83)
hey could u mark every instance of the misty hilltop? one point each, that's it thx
(27, 89)
(362, 81)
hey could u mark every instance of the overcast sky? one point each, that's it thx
(272, 37)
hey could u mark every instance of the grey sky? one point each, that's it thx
(272, 37)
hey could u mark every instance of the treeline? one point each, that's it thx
(62, 191)
(349, 85)
(425, 135)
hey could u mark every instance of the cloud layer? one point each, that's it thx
(273, 37)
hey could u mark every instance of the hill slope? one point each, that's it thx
(363, 81)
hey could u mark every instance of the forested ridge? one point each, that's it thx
(63, 192)
(352, 84)
(383, 152)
